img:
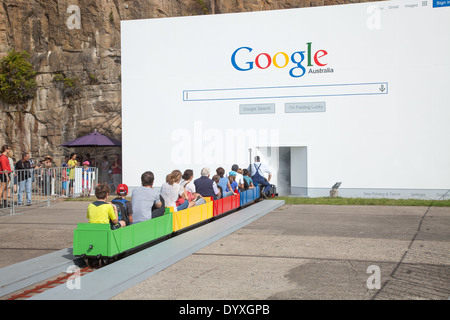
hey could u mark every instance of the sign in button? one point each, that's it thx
(441, 3)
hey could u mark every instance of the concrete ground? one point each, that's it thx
(317, 252)
(295, 252)
(38, 230)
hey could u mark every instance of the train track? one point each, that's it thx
(88, 267)
(47, 284)
(62, 278)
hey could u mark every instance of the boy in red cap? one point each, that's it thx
(124, 207)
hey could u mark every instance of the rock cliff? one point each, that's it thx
(75, 50)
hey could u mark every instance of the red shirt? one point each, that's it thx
(4, 164)
(117, 170)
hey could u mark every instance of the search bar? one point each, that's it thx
(326, 90)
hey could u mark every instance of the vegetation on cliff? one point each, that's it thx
(17, 78)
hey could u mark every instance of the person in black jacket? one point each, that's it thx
(23, 170)
(205, 186)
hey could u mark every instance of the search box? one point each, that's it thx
(287, 92)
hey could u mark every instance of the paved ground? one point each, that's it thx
(317, 252)
(295, 252)
(38, 230)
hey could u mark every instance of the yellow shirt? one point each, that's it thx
(100, 212)
(72, 163)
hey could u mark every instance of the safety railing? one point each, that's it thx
(26, 187)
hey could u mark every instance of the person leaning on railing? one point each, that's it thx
(48, 174)
(23, 168)
(72, 163)
(5, 171)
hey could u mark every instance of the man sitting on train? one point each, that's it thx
(205, 186)
(144, 198)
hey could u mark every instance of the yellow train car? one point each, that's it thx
(188, 217)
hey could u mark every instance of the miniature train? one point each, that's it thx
(97, 242)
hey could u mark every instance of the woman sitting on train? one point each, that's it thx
(189, 187)
(224, 183)
(171, 191)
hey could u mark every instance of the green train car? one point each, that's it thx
(98, 241)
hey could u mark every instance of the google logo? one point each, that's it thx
(279, 60)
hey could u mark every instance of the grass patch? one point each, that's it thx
(333, 201)
(366, 202)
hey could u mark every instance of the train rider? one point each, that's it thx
(239, 177)
(101, 211)
(205, 186)
(145, 200)
(257, 170)
(224, 183)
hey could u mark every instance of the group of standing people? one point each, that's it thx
(23, 175)
(180, 191)
(111, 172)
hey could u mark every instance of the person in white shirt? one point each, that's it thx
(171, 191)
(239, 176)
(257, 171)
(189, 187)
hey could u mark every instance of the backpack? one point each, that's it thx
(246, 186)
(122, 210)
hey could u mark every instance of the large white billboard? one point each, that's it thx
(352, 93)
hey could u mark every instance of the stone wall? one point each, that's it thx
(84, 47)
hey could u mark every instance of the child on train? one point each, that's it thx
(248, 179)
(216, 178)
(124, 207)
(233, 183)
(101, 211)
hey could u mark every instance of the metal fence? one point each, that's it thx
(44, 185)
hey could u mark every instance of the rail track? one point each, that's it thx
(47, 284)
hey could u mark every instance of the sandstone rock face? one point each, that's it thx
(79, 40)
